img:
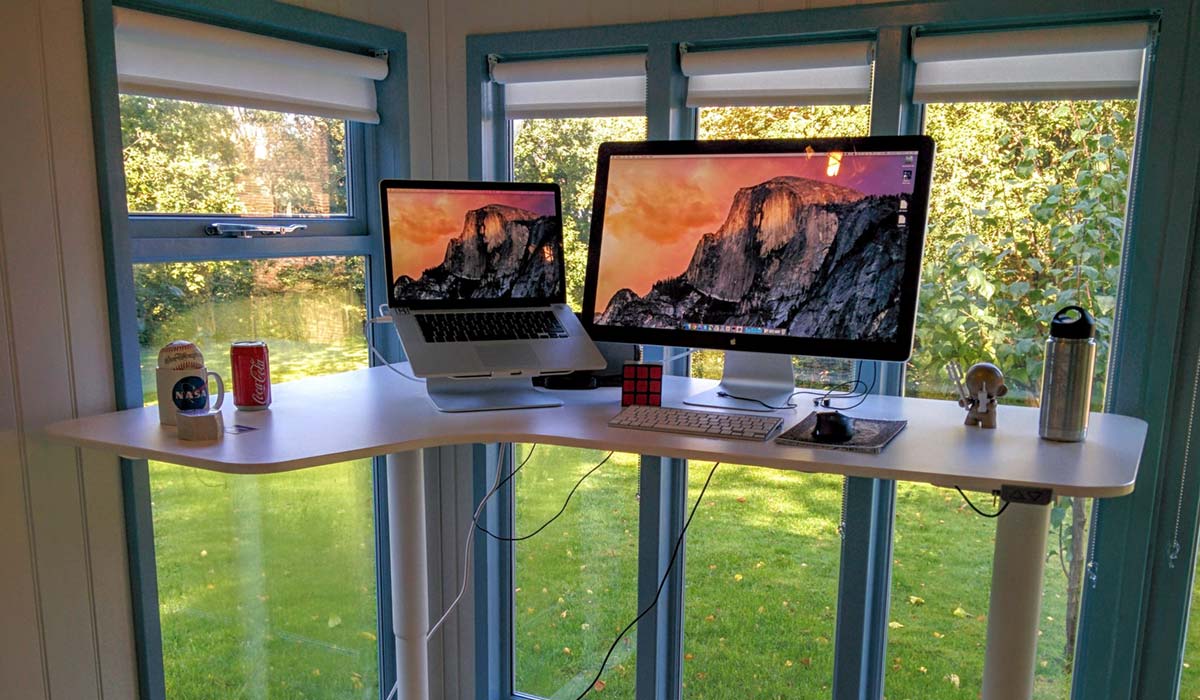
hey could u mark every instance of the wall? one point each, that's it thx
(65, 629)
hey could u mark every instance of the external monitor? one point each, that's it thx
(786, 247)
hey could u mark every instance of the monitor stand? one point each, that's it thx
(762, 376)
(486, 394)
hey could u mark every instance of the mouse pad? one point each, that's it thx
(870, 435)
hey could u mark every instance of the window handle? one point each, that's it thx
(249, 230)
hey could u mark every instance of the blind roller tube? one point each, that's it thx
(1031, 42)
(777, 58)
(1081, 62)
(563, 69)
(168, 57)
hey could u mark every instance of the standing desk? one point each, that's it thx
(374, 412)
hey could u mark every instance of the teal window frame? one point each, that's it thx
(1134, 653)
(373, 151)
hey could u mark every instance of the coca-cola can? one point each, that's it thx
(251, 367)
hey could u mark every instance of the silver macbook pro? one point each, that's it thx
(476, 280)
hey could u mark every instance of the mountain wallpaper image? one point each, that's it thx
(496, 251)
(805, 255)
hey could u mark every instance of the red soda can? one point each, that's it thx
(251, 367)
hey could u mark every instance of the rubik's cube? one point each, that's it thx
(641, 384)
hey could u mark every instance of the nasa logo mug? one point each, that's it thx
(186, 390)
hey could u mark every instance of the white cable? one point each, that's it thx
(392, 693)
(392, 367)
(469, 546)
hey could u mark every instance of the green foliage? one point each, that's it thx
(1027, 216)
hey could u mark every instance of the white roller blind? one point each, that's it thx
(168, 57)
(810, 74)
(599, 86)
(1082, 62)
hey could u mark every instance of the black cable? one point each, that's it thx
(861, 398)
(562, 510)
(513, 473)
(986, 515)
(661, 584)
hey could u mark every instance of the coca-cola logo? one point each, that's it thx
(258, 372)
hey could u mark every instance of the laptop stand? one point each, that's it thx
(486, 394)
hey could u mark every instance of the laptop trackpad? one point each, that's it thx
(507, 356)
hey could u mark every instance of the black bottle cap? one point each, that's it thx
(1073, 323)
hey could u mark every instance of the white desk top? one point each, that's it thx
(372, 412)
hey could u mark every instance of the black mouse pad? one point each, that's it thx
(870, 435)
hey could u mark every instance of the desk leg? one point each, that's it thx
(1016, 602)
(410, 582)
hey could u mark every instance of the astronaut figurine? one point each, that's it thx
(978, 390)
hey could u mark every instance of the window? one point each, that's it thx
(1028, 217)
(765, 555)
(575, 585)
(235, 124)
(243, 611)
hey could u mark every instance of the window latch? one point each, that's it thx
(249, 230)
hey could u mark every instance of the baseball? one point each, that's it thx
(180, 354)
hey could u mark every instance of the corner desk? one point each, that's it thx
(374, 412)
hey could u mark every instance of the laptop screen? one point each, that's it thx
(458, 245)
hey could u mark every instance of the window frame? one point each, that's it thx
(373, 151)
(1149, 327)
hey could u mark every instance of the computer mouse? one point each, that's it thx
(833, 426)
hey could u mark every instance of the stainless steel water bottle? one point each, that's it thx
(1067, 375)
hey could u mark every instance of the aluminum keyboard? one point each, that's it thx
(688, 421)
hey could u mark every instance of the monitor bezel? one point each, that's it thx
(560, 297)
(898, 350)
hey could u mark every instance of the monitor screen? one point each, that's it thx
(450, 243)
(801, 247)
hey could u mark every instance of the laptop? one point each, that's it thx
(476, 280)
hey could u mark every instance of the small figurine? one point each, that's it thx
(978, 391)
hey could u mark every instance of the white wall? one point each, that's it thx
(65, 619)
(65, 627)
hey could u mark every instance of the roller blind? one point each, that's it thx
(1080, 62)
(813, 74)
(593, 86)
(168, 57)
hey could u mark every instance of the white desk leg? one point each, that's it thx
(1016, 602)
(410, 583)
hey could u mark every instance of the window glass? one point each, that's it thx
(576, 582)
(193, 158)
(245, 613)
(764, 552)
(1189, 684)
(1027, 216)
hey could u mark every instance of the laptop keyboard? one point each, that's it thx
(493, 325)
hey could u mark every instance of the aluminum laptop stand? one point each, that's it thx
(465, 395)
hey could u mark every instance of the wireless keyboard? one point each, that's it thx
(691, 422)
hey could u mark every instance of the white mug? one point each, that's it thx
(185, 390)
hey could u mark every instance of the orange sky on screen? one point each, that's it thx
(657, 209)
(421, 222)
